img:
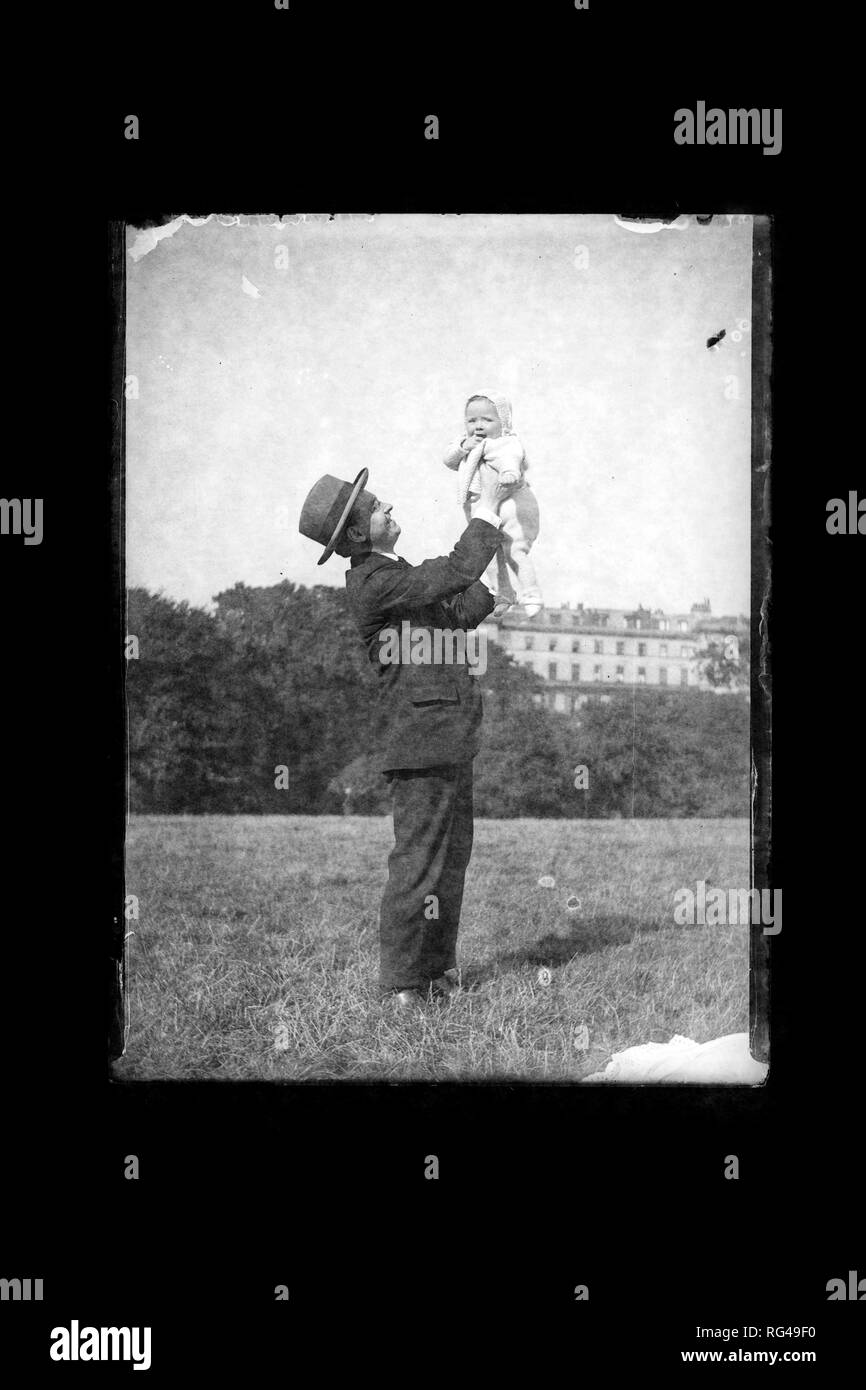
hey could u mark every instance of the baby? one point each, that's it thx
(490, 442)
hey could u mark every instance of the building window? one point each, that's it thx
(641, 648)
(663, 675)
(575, 644)
(620, 648)
(641, 675)
(684, 675)
(663, 649)
(684, 651)
(637, 622)
(620, 674)
(684, 627)
(551, 670)
(553, 619)
(596, 673)
(530, 641)
(575, 671)
(663, 624)
(598, 646)
(551, 644)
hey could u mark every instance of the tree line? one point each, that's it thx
(269, 704)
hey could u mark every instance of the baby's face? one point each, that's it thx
(482, 419)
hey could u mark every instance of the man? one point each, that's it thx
(433, 714)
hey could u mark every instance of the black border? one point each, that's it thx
(237, 1192)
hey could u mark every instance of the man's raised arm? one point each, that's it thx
(440, 578)
(471, 607)
(447, 575)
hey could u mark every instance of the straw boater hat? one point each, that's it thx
(327, 509)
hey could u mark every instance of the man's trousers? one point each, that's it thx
(421, 904)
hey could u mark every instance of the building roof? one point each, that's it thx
(579, 618)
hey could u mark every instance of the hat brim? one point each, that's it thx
(357, 486)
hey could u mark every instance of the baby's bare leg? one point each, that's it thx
(521, 524)
(519, 558)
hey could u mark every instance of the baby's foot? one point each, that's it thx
(532, 601)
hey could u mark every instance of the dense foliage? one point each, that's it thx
(277, 678)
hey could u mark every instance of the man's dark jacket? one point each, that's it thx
(433, 712)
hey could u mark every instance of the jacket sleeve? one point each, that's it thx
(455, 455)
(442, 578)
(471, 607)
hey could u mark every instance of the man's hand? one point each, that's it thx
(492, 489)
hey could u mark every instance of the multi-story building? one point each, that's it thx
(585, 651)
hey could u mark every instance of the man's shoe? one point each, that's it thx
(445, 985)
(408, 1000)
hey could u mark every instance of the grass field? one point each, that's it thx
(255, 952)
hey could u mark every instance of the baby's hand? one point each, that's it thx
(507, 475)
(492, 489)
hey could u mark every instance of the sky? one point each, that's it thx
(267, 353)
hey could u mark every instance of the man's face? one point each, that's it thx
(382, 531)
(482, 419)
